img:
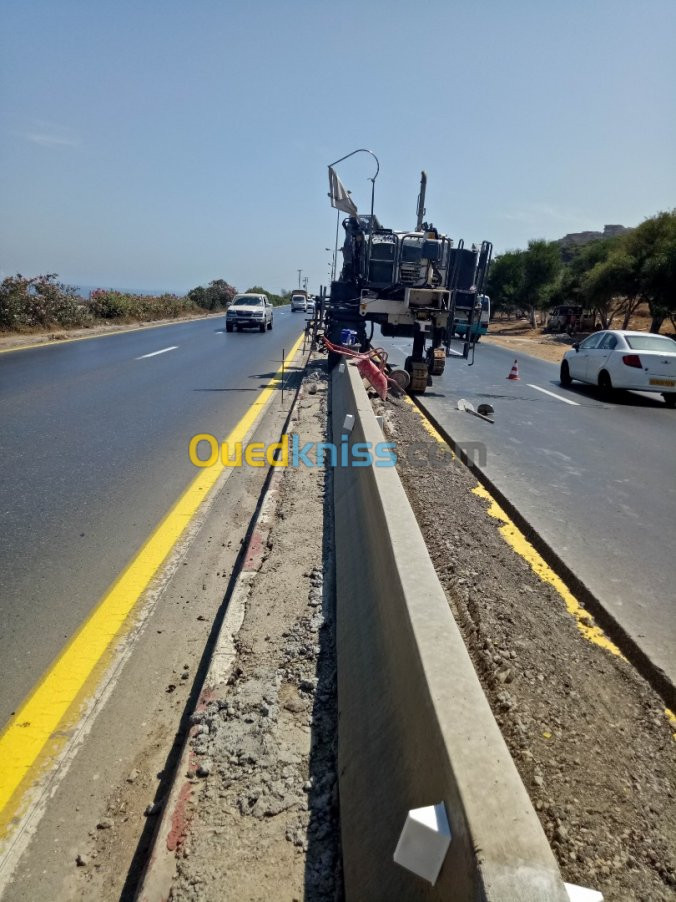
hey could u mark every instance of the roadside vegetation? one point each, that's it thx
(284, 297)
(42, 302)
(611, 276)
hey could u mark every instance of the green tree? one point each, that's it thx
(541, 266)
(652, 245)
(216, 296)
(610, 287)
(505, 281)
(571, 287)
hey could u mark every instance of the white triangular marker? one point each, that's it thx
(424, 841)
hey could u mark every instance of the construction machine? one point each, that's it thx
(410, 284)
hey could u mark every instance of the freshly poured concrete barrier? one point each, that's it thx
(415, 728)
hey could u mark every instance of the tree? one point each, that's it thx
(610, 287)
(216, 296)
(505, 281)
(652, 245)
(541, 266)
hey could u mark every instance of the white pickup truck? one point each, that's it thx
(249, 310)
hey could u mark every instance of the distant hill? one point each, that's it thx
(574, 240)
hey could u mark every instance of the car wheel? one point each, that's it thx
(670, 399)
(261, 328)
(239, 328)
(564, 377)
(270, 324)
(228, 327)
(605, 383)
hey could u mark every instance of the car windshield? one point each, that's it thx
(247, 302)
(651, 343)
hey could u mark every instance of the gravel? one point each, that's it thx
(265, 824)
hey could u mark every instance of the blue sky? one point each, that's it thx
(164, 144)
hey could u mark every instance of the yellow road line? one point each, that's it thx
(31, 740)
(520, 544)
(55, 342)
(428, 427)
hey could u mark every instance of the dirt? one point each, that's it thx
(10, 340)
(265, 824)
(546, 347)
(519, 336)
(590, 738)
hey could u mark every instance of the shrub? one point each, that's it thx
(40, 301)
(43, 302)
(116, 305)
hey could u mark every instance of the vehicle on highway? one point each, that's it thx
(479, 323)
(299, 300)
(570, 318)
(617, 358)
(249, 310)
(310, 306)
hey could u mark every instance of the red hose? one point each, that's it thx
(371, 366)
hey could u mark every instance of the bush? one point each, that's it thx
(115, 305)
(275, 299)
(40, 301)
(43, 302)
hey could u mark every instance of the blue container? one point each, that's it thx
(348, 337)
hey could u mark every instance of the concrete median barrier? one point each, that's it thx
(415, 728)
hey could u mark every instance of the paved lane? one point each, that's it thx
(94, 442)
(597, 480)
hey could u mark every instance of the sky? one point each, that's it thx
(158, 144)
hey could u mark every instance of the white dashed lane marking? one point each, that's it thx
(553, 395)
(155, 353)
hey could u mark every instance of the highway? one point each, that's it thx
(94, 445)
(596, 479)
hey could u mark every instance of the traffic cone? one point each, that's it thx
(514, 372)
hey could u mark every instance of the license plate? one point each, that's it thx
(667, 383)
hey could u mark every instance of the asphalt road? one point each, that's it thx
(596, 479)
(94, 449)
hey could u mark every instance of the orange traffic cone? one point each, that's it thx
(514, 372)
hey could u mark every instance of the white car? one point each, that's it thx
(615, 358)
(249, 310)
(298, 302)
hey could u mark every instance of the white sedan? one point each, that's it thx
(615, 358)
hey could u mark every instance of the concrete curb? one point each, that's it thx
(415, 726)
(174, 826)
